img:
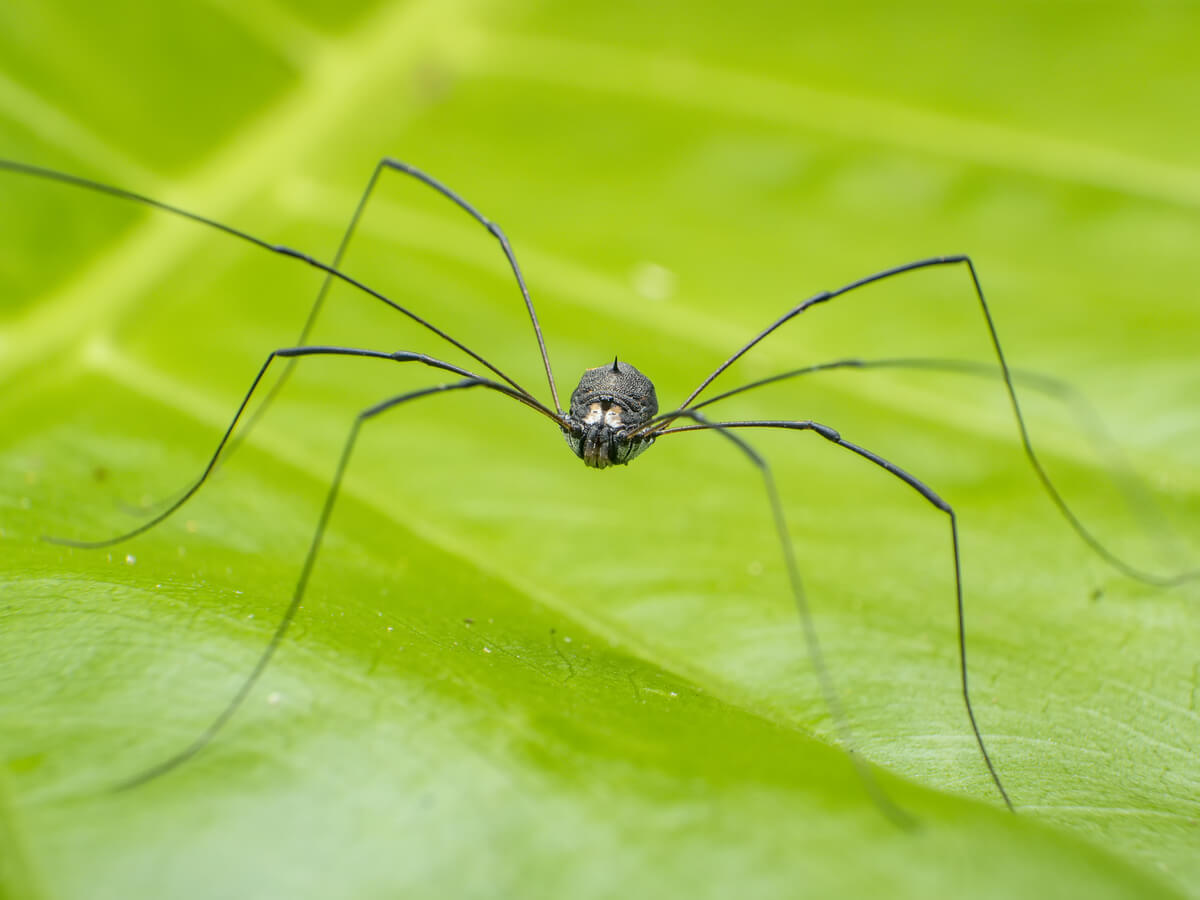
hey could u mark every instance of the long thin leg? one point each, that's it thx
(494, 229)
(825, 296)
(310, 558)
(1047, 384)
(828, 690)
(1132, 571)
(1124, 477)
(330, 271)
(292, 353)
(925, 491)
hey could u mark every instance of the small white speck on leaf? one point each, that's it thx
(652, 281)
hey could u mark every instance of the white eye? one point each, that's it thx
(612, 416)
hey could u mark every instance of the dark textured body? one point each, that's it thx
(610, 403)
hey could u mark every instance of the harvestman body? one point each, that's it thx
(612, 418)
(607, 410)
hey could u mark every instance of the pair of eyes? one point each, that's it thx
(603, 411)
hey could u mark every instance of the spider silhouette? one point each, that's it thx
(612, 418)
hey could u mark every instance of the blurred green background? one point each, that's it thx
(514, 676)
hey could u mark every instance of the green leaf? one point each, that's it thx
(512, 675)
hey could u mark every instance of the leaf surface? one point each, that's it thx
(511, 675)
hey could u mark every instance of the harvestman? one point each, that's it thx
(613, 417)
